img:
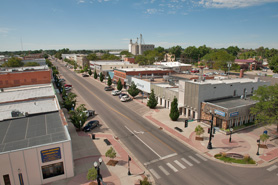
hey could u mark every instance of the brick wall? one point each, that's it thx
(24, 78)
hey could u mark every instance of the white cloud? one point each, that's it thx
(153, 11)
(233, 3)
(4, 30)
(80, 1)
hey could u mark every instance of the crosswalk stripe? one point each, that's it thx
(193, 159)
(163, 170)
(186, 161)
(272, 168)
(172, 167)
(155, 174)
(201, 157)
(179, 164)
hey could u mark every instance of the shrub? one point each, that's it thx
(110, 153)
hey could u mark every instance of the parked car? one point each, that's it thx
(223, 74)
(116, 92)
(61, 80)
(67, 85)
(121, 94)
(108, 88)
(125, 98)
(67, 88)
(195, 71)
(90, 125)
(89, 113)
(85, 75)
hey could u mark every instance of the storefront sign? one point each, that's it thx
(220, 113)
(233, 114)
(142, 84)
(51, 154)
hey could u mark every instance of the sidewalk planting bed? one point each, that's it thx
(225, 157)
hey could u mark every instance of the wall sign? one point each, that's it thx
(51, 154)
(234, 114)
(219, 113)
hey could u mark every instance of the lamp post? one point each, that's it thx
(97, 167)
(258, 141)
(231, 130)
(129, 159)
(210, 133)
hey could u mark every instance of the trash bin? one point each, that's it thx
(208, 130)
(265, 132)
(93, 136)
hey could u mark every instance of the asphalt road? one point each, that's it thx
(168, 160)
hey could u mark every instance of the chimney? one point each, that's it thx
(241, 74)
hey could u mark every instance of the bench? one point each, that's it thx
(107, 141)
(178, 129)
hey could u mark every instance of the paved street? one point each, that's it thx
(167, 159)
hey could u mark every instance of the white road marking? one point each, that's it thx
(179, 164)
(163, 170)
(193, 159)
(272, 168)
(186, 161)
(143, 142)
(140, 132)
(172, 167)
(154, 174)
(162, 158)
(201, 157)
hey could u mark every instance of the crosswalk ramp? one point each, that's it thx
(177, 165)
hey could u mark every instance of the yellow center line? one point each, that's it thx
(125, 116)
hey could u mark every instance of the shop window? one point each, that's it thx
(52, 170)
(6, 179)
(234, 92)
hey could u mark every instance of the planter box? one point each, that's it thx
(262, 146)
(112, 162)
(198, 138)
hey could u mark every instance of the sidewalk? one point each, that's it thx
(243, 142)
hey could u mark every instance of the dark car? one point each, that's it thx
(108, 88)
(90, 125)
(85, 75)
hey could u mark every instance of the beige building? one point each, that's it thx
(110, 65)
(139, 48)
(169, 57)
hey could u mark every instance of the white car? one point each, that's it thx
(89, 113)
(116, 92)
(67, 88)
(125, 98)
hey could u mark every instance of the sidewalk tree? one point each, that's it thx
(78, 116)
(174, 112)
(145, 181)
(199, 130)
(101, 77)
(119, 85)
(152, 100)
(90, 72)
(266, 108)
(133, 90)
(264, 137)
(85, 68)
(110, 153)
(64, 93)
(69, 100)
(95, 74)
(109, 81)
(92, 174)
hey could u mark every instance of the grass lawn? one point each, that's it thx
(248, 160)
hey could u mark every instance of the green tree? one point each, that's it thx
(85, 68)
(141, 60)
(192, 53)
(199, 130)
(78, 116)
(133, 90)
(13, 62)
(109, 81)
(145, 181)
(174, 112)
(111, 153)
(126, 53)
(176, 50)
(69, 100)
(233, 50)
(92, 56)
(95, 74)
(31, 64)
(266, 108)
(101, 77)
(264, 137)
(64, 93)
(90, 72)
(92, 174)
(152, 100)
(273, 64)
(119, 85)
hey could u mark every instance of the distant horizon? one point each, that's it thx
(90, 24)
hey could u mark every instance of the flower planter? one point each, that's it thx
(112, 162)
(198, 138)
(263, 146)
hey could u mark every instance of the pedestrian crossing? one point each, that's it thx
(176, 165)
(273, 168)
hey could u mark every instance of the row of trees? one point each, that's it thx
(17, 62)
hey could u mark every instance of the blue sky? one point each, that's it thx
(109, 24)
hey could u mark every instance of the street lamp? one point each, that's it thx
(210, 133)
(258, 141)
(231, 130)
(129, 159)
(97, 167)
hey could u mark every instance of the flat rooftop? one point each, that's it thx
(226, 81)
(141, 69)
(234, 102)
(32, 131)
(21, 69)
